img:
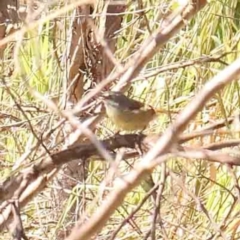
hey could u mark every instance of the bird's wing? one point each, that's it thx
(135, 104)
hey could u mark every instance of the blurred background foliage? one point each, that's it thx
(200, 199)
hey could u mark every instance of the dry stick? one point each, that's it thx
(16, 227)
(210, 88)
(41, 21)
(147, 196)
(229, 213)
(124, 185)
(221, 145)
(153, 138)
(147, 50)
(183, 64)
(32, 189)
(200, 205)
(235, 180)
(85, 151)
(25, 155)
(176, 226)
(226, 222)
(130, 221)
(76, 124)
(152, 230)
(222, 123)
(11, 185)
(211, 156)
(25, 116)
(158, 201)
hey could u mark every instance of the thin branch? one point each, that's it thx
(32, 189)
(158, 200)
(170, 137)
(16, 227)
(147, 50)
(130, 216)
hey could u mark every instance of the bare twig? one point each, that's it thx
(123, 186)
(32, 189)
(200, 206)
(212, 156)
(158, 200)
(16, 227)
(147, 196)
(147, 50)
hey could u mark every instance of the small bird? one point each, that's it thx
(127, 114)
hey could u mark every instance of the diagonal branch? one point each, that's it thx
(168, 139)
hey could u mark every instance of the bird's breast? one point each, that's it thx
(130, 120)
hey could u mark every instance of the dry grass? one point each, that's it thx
(199, 199)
